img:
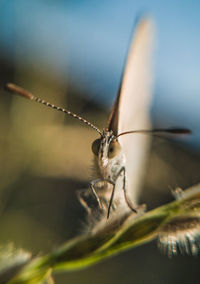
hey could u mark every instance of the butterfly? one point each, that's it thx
(120, 151)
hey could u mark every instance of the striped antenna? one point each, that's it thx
(24, 93)
(175, 131)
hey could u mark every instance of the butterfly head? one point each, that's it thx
(106, 149)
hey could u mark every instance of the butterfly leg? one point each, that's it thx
(111, 200)
(128, 202)
(92, 185)
(80, 195)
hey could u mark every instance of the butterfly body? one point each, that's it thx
(109, 170)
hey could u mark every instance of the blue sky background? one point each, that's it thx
(88, 40)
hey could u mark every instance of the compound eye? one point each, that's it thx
(96, 146)
(114, 149)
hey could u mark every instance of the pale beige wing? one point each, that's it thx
(134, 103)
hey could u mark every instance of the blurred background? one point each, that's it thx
(71, 53)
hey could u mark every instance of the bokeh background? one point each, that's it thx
(72, 54)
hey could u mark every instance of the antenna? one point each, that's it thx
(174, 131)
(24, 93)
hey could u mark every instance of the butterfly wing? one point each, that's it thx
(131, 109)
